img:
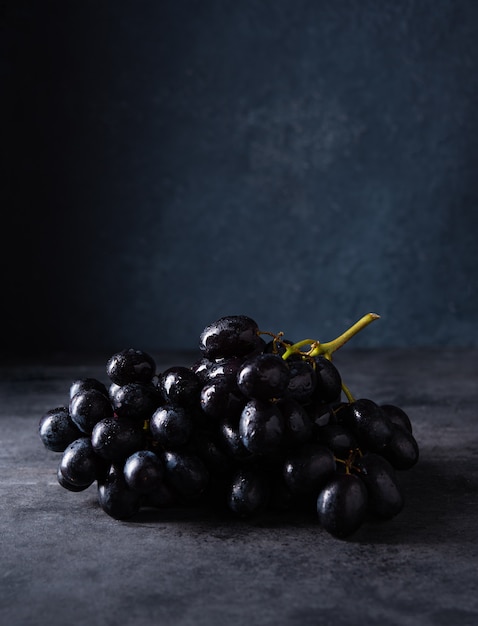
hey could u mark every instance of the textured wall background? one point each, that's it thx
(302, 162)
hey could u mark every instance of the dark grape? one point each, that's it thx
(115, 496)
(220, 397)
(329, 381)
(89, 407)
(264, 376)
(397, 416)
(57, 430)
(171, 426)
(342, 505)
(337, 438)
(229, 336)
(262, 427)
(201, 368)
(231, 440)
(79, 464)
(179, 385)
(308, 468)
(369, 424)
(70, 486)
(116, 439)
(248, 492)
(303, 380)
(225, 369)
(136, 401)
(385, 497)
(186, 473)
(402, 450)
(83, 384)
(130, 366)
(144, 471)
(298, 427)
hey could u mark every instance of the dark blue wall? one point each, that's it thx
(299, 161)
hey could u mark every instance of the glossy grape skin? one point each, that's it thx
(186, 473)
(229, 336)
(171, 426)
(248, 492)
(201, 368)
(143, 471)
(329, 381)
(79, 464)
(385, 498)
(231, 440)
(338, 439)
(136, 401)
(220, 397)
(89, 407)
(368, 423)
(342, 505)
(264, 376)
(303, 380)
(83, 384)
(308, 468)
(130, 366)
(402, 450)
(57, 430)
(179, 385)
(70, 486)
(115, 439)
(298, 428)
(262, 427)
(115, 496)
(397, 416)
(226, 369)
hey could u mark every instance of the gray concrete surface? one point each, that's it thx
(63, 561)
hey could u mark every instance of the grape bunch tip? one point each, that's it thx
(256, 423)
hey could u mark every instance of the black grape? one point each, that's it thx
(186, 473)
(180, 385)
(79, 464)
(402, 450)
(308, 468)
(83, 384)
(115, 496)
(329, 381)
(369, 424)
(262, 427)
(248, 492)
(171, 426)
(342, 505)
(143, 471)
(136, 401)
(57, 430)
(89, 407)
(397, 416)
(337, 438)
(303, 380)
(130, 366)
(298, 428)
(385, 497)
(220, 398)
(264, 376)
(115, 439)
(229, 336)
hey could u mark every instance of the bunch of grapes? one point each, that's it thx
(257, 423)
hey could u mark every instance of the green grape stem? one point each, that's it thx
(328, 348)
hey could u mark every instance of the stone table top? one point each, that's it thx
(64, 561)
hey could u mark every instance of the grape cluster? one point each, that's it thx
(256, 423)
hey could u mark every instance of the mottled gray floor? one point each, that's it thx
(64, 561)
